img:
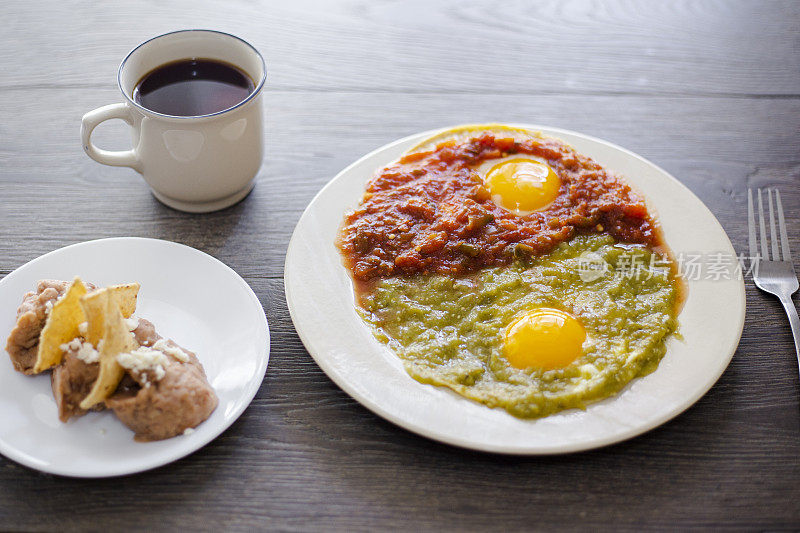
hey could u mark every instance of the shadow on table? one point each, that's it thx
(209, 232)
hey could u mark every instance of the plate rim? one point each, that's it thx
(422, 431)
(20, 457)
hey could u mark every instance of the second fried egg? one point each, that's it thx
(544, 338)
(520, 184)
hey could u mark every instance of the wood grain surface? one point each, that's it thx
(709, 90)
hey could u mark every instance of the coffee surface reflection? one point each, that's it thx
(192, 87)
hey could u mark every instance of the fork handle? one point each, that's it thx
(794, 320)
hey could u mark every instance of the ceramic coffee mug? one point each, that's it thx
(197, 163)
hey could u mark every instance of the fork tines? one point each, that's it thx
(774, 229)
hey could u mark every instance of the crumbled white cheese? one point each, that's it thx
(87, 353)
(83, 328)
(132, 323)
(174, 351)
(74, 344)
(188, 431)
(48, 306)
(83, 350)
(144, 359)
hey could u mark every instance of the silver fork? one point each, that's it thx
(774, 276)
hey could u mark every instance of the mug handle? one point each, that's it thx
(121, 158)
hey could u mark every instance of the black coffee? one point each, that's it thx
(192, 87)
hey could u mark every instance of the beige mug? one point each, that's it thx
(191, 163)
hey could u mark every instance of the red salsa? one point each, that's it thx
(430, 212)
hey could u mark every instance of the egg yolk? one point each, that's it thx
(522, 185)
(544, 338)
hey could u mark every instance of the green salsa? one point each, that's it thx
(450, 331)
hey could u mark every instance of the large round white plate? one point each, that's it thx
(191, 298)
(319, 293)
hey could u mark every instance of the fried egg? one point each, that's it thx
(521, 184)
(544, 338)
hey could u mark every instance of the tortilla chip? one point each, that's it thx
(61, 327)
(67, 314)
(102, 307)
(126, 299)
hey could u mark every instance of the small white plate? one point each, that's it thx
(191, 298)
(319, 294)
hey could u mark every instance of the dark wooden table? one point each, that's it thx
(709, 90)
